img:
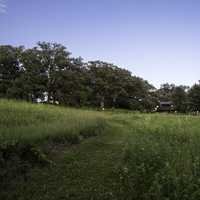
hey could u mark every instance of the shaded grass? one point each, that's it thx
(28, 132)
(84, 171)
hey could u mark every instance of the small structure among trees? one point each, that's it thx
(166, 106)
(47, 73)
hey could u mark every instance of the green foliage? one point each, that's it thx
(161, 159)
(177, 94)
(194, 97)
(137, 156)
(25, 128)
(180, 99)
(9, 67)
(115, 87)
(22, 122)
(47, 73)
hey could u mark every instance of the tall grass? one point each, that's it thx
(26, 128)
(21, 122)
(162, 158)
(160, 152)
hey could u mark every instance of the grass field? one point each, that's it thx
(132, 156)
(30, 123)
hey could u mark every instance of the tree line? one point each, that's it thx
(48, 73)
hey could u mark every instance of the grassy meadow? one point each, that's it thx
(133, 156)
(21, 122)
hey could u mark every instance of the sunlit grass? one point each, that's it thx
(25, 122)
(138, 156)
(162, 158)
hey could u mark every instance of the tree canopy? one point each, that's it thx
(48, 73)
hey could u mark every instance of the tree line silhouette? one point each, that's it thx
(48, 73)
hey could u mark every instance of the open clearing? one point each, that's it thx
(130, 156)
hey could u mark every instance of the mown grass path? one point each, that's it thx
(137, 157)
(85, 171)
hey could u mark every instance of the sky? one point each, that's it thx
(158, 40)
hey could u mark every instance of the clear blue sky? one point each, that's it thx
(158, 40)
